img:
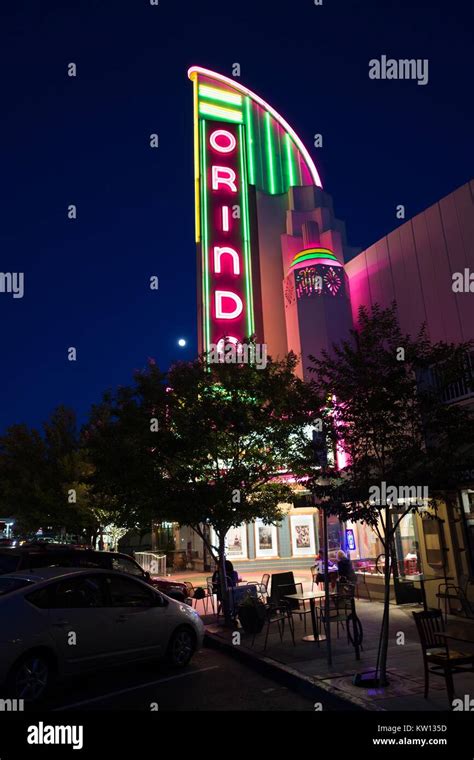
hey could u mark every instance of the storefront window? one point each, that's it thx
(406, 547)
(468, 505)
(368, 553)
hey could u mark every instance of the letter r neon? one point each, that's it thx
(222, 175)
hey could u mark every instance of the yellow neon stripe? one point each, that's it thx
(197, 171)
(206, 109)
(224, 96)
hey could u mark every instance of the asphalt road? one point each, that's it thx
(213, 681)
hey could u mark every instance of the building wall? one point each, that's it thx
(413, 266)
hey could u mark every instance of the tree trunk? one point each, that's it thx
(223, 583)
(384, 633)
(326, 589)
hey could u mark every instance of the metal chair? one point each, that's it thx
(449, 592)
(296, 607)
(278, 614)
(210, 593)
(438, 658)
(340, 607)
(262, 587)
(198, 597)
(314, 575)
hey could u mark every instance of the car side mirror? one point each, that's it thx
(147, 576)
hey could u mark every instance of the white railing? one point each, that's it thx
(152, 563)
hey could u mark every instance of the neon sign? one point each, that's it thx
(226, 264)
(350, 540)
(240, 141)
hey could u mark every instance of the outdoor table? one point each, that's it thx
(310, 596)
(422, 579)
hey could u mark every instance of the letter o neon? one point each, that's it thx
(232, 142)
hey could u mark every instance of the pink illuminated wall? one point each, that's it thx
(414, 265)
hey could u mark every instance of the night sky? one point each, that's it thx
(85, 141)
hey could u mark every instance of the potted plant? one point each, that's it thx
(252, 614)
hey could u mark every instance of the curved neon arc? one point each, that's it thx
(194, 70)
(325, 252)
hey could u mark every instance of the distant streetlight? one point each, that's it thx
(181, 343)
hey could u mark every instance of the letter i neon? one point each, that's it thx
(225, 218)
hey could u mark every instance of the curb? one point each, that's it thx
(289, 677)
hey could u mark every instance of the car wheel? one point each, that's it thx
(181, 647)
(31, 677)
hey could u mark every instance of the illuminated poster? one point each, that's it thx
(266, 541)
(302, 535)
(236, 543)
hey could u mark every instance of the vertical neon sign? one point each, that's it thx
(238, 139)
(225, 234)
(227, 245)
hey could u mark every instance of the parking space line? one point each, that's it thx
(112, 694)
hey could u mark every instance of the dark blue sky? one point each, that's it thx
(85, 141)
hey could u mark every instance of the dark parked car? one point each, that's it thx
(31, 556)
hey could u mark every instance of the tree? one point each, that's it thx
(385, 413)
(43, 478)
(223, 433)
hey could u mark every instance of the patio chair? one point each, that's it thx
(262, 587)
(346, 588)
(198, 594)
(340, 607)
(278, 614)
(211, 592)
(214, 589)
(453, 595)
(438, 658)
(295, 607)
(314, 576)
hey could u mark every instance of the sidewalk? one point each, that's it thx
(309, 661)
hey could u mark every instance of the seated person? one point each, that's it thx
(320, 567)
(345, 569)
(231, 575)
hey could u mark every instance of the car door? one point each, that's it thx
(139, 616)
(79, 622)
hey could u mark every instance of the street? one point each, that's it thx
(212, 682)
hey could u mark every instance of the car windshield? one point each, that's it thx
(7, 585)
(8, 562)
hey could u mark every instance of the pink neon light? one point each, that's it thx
(222, 175)
(225, 219)
(218, 252)
(231, 141)
(239, 307)
(240, 88)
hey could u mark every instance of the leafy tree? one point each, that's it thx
(43, 477)
(222, 434)
(385, 412)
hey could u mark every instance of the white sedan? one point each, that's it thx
(61, 621)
